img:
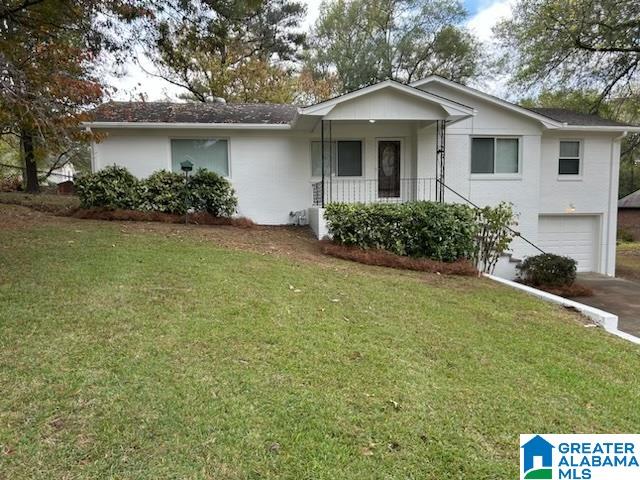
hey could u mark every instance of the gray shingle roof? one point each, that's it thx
(194, 112)
(574, 118)
(630, 201)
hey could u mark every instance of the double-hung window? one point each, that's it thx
(346, 154)
(209, 153)
(494, 155)
(569, 160)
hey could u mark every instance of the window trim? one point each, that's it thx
(494, 175)
(570, 176)
(200, 137)
(334, 174)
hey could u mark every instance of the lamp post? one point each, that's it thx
(186, 167)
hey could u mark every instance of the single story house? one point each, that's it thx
(629, 214)
(431, 140)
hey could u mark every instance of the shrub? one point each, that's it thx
(112, 187)
(439, 231)
(548, 269)
(209, 192)
(625, 235)
(165, 192)
(495, 234)
(10, 183)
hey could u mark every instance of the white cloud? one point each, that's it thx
(482, 23)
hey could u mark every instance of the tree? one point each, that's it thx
(47, 51)
(587, 44)
(366, 41)
(238, 51)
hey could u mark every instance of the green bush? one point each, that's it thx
(115, 188)
(625, 235)
(548, 269)
(164, 191)
(112, 187)
(439, 231)
(209, 192)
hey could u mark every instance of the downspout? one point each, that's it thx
(93, 153)
(322, 155)
(612, 214)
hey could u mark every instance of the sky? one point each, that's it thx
(133, 81)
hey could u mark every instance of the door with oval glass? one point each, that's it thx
(389, 168)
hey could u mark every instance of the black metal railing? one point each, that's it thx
(361, 190)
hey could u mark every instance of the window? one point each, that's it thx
(347, 158)
(210, 153)
(569, 162)
(495, 155)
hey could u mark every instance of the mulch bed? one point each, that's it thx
(566, 291)
(382, 258)
(198, 218)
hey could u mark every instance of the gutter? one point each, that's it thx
(208, 126)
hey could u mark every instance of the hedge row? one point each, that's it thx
(444, 232)
(116, 188)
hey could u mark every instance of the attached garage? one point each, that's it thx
(574, 236)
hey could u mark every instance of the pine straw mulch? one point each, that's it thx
(198, 218)
(567, 291)
(382, 258)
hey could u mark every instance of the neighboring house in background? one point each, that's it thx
(391, 142)
(65, 173)
(629, 214)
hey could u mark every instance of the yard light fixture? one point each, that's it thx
(186, 167)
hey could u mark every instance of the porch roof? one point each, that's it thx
(388, 100)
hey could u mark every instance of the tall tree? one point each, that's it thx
(238, 51)
(47, 52)
(366, 41)
(584, 44)
(588, 52)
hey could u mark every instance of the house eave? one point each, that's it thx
(184, 126)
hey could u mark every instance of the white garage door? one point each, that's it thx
(571, 236)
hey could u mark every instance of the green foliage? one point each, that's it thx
(444, 232)
(164, 191)
(112, 187)
(239, 51)
(548, 269)
(584, 44)
(404, 40)
(115, 188)
(625, 235)
(212, 193)
(495, 233)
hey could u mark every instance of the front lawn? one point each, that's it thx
(145, 353)
(628, 261)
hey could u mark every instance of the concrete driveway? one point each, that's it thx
(616, 295)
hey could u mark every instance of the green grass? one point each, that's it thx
(628, 260)
(44, 202)
(145, 356)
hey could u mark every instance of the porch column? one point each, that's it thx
(441, 126)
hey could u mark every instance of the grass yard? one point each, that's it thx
(141, 351)
(628, 260)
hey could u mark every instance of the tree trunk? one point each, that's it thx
(30, 167)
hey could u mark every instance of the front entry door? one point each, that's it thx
(389, 168)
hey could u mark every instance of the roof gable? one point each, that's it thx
(546, 121)
(451, 107)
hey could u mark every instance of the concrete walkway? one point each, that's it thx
(615, 295)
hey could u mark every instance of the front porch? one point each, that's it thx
(374, 190)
